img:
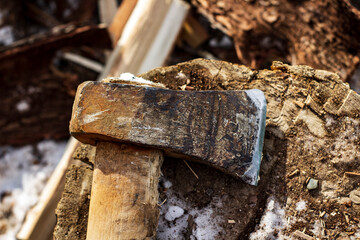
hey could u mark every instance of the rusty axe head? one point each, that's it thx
(224, 129)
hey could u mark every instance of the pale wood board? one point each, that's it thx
(120, 19)
(152, 23)
(107, 10)
(85, 62)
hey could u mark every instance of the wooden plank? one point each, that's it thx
(121, 17)
(85, 62)
(135, 51)
(59, 36)
(40, 220)
(134, 46)
(107, 11)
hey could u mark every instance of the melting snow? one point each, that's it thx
(6, 35)
(173, 213)
(272, 222)
(23, 106)
(178, 219)
(23, 174)
(300, 205)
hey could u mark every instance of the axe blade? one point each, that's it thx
(224, 129)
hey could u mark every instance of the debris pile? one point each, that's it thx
(310, 174)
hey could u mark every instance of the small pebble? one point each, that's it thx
(312, 184)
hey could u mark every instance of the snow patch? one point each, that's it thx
(207, 227)
(317, 228)
(6, 35)
(300, 206)
(356, 236)
(173, 213)
(167, 184)
(22, 106)
(272, 222)
(180, 75)
(132, 78)
(23, 175)
(224, 42)
(178, 219)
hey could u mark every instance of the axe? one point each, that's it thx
(134, 122)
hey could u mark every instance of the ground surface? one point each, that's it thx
(312, 132)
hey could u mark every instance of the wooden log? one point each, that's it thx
(297, 31)
(85, 62)
(74, 228)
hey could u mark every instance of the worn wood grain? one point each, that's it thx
(221, 128)
(124, 192)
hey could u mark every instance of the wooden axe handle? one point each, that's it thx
(124, 193)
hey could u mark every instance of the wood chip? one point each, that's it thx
(162, 202)
(191, 169)
(346, 218)
(302, 235)
(297, 171)
(352, 174)
(231, 221)
(183, 87)
(85, 62)
(298, 103)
